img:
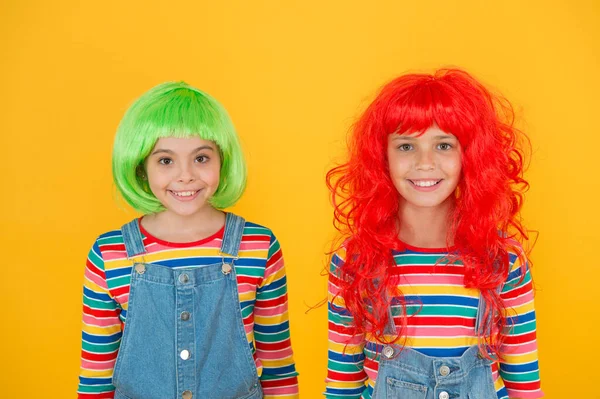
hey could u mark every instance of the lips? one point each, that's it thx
(187, 195)
(425, 185)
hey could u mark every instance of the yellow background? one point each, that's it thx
(293, 75)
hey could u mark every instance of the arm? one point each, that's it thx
(101, 332)
(519, 367)
(345, 374)
(272, 331)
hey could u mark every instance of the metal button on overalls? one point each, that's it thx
(184, 278)
(444, 395)
(388, 352)
(187, 395)
(185, 316)
(444, 371)
(185, 354)
(226, 268)
(139, 268)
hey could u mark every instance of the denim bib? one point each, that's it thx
(184, 335)
(405, 373)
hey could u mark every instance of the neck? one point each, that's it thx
(169, 226)
(425, 227)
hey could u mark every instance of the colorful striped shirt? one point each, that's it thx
(441, 316)
(262, 290)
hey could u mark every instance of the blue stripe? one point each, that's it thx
(100, 339)
(521, 319)
(95, 381)
(272, 329)
(502, 393)
(96, 295)
(440, 300)
(445, 352)
(114, 273)
(279, 370)
(338, 310)
(519, 368)
(346, 357)
(344, 392)
(274, 285)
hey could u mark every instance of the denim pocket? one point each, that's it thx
(397, 389)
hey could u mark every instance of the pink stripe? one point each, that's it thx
(525, 394)
(338, 338)
(274, 355)
(276, 311)
(520, 348)
(95, 278)
(514, 302)
(274, 268)
(106, 365)
(114, 255)
(434, 279)
(436, 332)
(254, 245)
(100, 322)
(277, 391)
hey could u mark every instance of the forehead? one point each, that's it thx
(188, 144)
(432, 133)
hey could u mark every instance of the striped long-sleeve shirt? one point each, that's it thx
(262, 290)
(441, 316)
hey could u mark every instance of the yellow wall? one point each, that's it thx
(293, 75)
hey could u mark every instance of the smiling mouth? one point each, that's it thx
(425, 183)
(184, 194)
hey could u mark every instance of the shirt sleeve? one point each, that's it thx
(519, 365)
(101, 332)
(272, 329)
(345, 357)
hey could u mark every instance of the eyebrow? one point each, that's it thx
(412, 138)
(167, 151)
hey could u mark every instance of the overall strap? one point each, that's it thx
(232, 237)
(132, 238)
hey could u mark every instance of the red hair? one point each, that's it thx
(488, 198)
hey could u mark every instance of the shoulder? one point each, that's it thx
(518, 264)
(257, 233)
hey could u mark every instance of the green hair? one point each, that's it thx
(175, 109)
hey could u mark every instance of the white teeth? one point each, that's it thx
(184, 193)
(425, 183)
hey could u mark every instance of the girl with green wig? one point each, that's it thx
(187, 301)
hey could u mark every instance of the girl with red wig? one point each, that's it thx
(430, 293)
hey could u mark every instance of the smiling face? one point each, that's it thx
(425, 169)
(183, 173)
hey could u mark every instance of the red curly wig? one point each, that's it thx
(488, 198)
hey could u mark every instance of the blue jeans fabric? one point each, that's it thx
(184, 336)
(405, 373)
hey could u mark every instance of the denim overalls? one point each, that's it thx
(405, 373)
(184, 337)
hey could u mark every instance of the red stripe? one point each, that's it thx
(520, 339)
(99, 357)
(437, 321)
(100, 312)
(105, 395)
(273, 346)
(289, 381)
(428, 269)
(266, 303)
(522, 386)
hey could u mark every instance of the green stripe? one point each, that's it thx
(98, 348)
(256, 230)
(255, 271)
(110, 240)
(95, 388)
(272, 337)
(523, 328)
(95, 304)
(520, 377)
(272, 294)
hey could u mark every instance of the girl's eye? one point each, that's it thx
(165, 161)
(202, 159)
(405, 147)
(444, 146)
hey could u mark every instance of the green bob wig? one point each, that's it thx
(175, 109)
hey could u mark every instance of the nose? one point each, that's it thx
(425, 160)
(185, 174)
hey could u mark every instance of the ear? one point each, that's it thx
(141, 173)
